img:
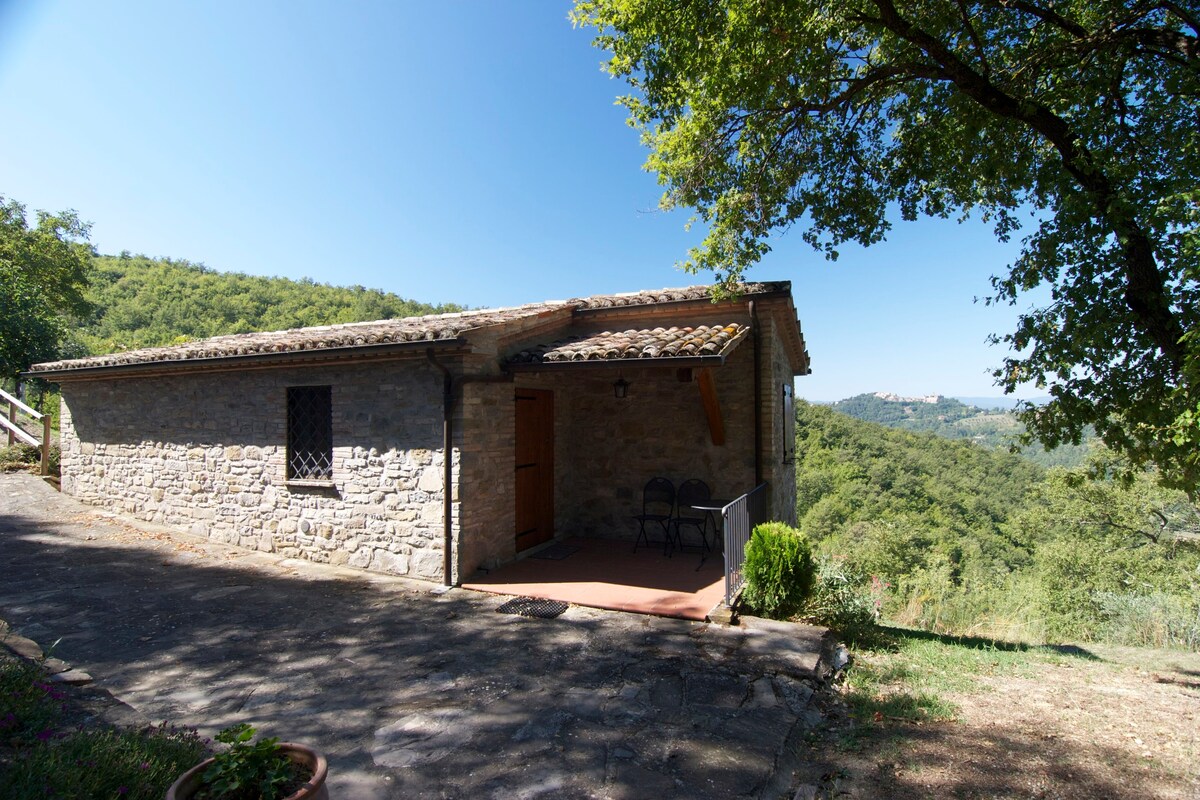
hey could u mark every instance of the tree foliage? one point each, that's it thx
(900, 503)
(1100, 537)
(971, 540)
(1076, 118)
(43, 275)
(147, 302)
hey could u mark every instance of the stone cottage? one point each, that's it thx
(431, 446)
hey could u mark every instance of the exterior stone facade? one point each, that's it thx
(779, 427)
(199, 442)
(206, 453)
(606, 449)
(488, 520)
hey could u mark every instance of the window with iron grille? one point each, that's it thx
(310, 433)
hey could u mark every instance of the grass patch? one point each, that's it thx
(29, 706)
(905, 675)
(40, 759)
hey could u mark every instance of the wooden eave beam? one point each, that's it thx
(712, 406)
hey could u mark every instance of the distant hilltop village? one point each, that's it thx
(932, 399)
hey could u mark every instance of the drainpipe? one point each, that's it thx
(758, 443)
(447, 467)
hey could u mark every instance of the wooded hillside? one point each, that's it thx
(952, 419)
(146, 302)
(966, 539)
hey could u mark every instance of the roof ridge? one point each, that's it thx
(425, 328)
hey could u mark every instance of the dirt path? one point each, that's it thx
(1123, 725)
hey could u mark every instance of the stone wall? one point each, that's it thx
(606, 449)
(779, 432)
(206, 453)
(488, 525)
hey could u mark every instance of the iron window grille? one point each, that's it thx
(310, 433)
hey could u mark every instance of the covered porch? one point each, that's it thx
(684, 392)
(607, 573)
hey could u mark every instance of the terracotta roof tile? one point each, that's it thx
(432, 328)
(676, 342)
(653, 296)
(447, 327)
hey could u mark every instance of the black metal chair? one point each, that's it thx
(693, 492)
(658, 506)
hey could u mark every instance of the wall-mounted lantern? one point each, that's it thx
(621, 388)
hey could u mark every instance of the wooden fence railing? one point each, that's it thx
(11, 422)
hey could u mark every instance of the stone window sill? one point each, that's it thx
(300, 483)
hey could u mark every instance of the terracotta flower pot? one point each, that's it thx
(189, 782)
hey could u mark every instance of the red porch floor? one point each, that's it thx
(606, 573)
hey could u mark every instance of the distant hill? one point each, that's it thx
(950, 418)
(147, 302)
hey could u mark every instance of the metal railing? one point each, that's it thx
(12, 424)
(738, 521)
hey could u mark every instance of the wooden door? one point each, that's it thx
(534, 467)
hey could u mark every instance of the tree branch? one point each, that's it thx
(1183, 47)
(1047, 15)
(965, 15)
(1190, 20)
(1107, 520)
(892, 74)
(1145, 287)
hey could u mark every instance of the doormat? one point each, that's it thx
(533, 607)
(556, 552)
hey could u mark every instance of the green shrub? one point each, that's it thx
(17, 457)
(779, 570)
(844, 601)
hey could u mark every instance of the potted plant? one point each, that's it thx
(264, 770)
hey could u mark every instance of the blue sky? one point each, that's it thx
(448, 152)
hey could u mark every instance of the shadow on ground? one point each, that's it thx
(949, 760)
(984, 643)
(410, 694)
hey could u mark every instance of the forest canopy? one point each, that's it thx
(970, 540)
(146, 302)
